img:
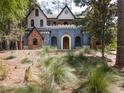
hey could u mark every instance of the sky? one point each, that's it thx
(74, 9)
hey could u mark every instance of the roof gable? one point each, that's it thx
(36, 6)
(66, 13)
(34, 29)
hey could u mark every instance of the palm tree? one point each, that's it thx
(120, 36)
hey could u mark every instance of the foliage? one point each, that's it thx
(11, 11)
(26, 61)
(101, 18)
(99, 77)
(29, 88)
(45, 50)
(55, 4)
(56, 72)
(74, 60)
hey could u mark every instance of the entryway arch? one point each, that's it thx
(66, 42)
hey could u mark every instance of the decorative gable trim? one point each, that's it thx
(34, 8)
(64, 9)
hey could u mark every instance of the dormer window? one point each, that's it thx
(36, 12)
(41, 23)
(32, 23)
(65, 23)
(66, 11)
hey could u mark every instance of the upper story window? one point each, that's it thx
(32, 23)
(54, 23)
(36, 12)
(65, 23)
(41, 22)
(66, 11)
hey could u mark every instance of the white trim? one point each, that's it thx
(66, 35)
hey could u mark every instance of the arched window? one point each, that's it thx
(77, 41)
(36, 12)
(32, 23)
(35, 42)
(54, 41)
(41, 22)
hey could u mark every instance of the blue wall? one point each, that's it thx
(58, 33)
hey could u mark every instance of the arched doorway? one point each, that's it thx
(54, 41)
(66, 42)
(77, 41)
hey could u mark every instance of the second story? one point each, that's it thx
(37, 18)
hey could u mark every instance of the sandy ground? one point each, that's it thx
(15, 69)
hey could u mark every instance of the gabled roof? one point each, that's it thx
(33, 30)
(51, 16)
(34, 8)
(64, 9)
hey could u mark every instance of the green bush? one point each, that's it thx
(98, 78)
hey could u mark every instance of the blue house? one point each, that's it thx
(54, 30)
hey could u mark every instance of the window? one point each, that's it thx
(77, 41)
(54, 23)
(35, 42)
(54, 41)
(66, 11)
(65, 23)
(32, 23)
(98, 42)
(36, 12)
(41, 22)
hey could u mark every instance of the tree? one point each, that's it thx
(56, 5)
(120, 36)
(12, 13)
(101, 14)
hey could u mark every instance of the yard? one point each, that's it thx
(26, 67)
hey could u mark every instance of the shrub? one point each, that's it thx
(9, 57)
(34, 89)
(26, 61)
(57, 73)
(87, 50)
(99, 78)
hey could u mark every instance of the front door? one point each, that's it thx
(65, 43)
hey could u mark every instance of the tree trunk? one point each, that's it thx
(8, 44)
(103, 49)
(120, 34)
(16, 43)
(21, 46)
